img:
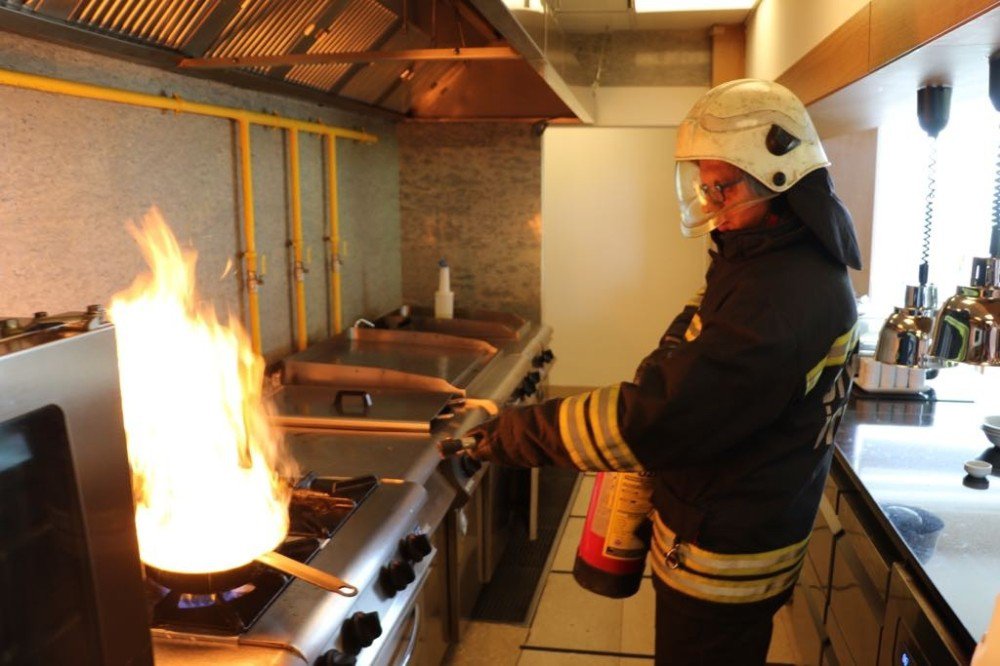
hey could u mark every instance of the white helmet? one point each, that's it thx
(760, 127)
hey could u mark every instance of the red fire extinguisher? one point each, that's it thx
(612, 552)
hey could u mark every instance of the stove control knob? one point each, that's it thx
(415, 547)
(548, 356)
(469, 465)
(336, 658)
(535, 376)
(538, 360)
(396, 576)
(528, 387)
(360, 631)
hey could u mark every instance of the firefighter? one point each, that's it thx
(735, 411)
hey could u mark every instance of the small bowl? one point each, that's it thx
(992, 423)
(992, 434)
(979, 469)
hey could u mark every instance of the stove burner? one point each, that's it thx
(204, 600)
(318, 508)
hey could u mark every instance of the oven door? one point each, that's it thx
(914, 635)
(69, 561)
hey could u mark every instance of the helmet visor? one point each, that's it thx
(710, 198)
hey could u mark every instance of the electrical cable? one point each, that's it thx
(925, 251)
(995, 235)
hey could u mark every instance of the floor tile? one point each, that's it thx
(582, 500)
(568, 544)
(572, 618)
(488, 643)
(639, 621)
(545, 658)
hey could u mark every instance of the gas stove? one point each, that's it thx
(364, 531)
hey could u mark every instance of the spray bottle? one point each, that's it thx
(444, 298)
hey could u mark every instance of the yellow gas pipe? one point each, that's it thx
(298, 268)
(243, 118)
(89, 91)
(249, 234)
(333, 234)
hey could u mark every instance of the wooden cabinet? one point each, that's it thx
(885, 37)
(839, 602)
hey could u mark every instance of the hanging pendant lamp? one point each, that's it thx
(906, 336)
(967, 329)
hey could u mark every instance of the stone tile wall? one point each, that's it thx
(471, 193)
(73, 171)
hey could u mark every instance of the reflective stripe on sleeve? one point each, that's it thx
(694, 328)
(588, 426)
(604, 420)
(836, 356)
(576, 439)
(724, 578)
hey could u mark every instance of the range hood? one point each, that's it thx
(404, 59)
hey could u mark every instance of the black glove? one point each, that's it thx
(477, 443)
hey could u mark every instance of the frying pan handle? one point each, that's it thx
(366, 400)
(320, 579)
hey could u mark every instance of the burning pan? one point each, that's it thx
(220, 581)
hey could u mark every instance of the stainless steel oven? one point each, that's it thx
(914, 635)
(69, 562)
(422, 639)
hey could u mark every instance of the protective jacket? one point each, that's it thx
(734, 411)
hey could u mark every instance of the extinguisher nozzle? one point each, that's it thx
(453, 445)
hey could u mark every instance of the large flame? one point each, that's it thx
(206, 463)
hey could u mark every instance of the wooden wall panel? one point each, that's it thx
(881, 32)
(728, 53)
(899, 26)
(837, 61)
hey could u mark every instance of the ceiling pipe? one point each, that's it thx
(456, 53)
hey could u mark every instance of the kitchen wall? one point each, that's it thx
(471, 193)
(73, 171)
(615, 268)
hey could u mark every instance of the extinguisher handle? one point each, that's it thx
(451, 446)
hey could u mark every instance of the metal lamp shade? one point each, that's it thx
(967, 329)
(905, 338)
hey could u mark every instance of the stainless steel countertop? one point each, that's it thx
(911, 454)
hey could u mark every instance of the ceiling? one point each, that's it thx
(594, 16)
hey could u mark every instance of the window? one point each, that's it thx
(966, 166)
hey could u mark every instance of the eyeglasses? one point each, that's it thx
(716, 193)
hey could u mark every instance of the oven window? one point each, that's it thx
(47, 609)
